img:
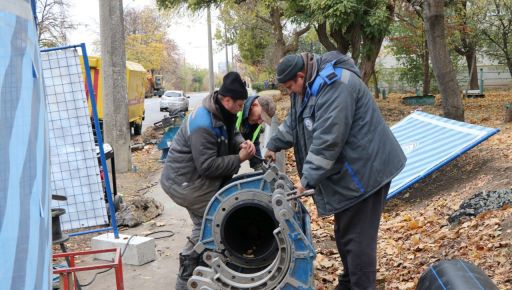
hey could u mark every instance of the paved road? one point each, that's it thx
(152, 107)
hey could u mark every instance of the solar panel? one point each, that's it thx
(430, 142)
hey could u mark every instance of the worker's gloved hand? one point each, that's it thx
(270, 155)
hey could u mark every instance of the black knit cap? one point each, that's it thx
(233, 86)
(288, 67)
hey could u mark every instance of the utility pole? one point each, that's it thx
(116, 127)
(210, 51)
(233, 60)
(226, 42)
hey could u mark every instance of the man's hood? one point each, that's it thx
(210, 105)
(340, 60)
(247, 106)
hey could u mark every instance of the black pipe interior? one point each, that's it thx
(247, 233)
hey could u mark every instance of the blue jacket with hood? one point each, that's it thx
(343, 148)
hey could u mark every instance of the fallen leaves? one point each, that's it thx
(414, 231)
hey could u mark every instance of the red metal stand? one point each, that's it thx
(65, 273)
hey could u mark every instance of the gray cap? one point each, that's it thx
(288, 67)
(268, 108)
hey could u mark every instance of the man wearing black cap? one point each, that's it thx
(344, 150)
(206, 152)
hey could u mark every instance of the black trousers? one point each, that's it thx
(356, 230)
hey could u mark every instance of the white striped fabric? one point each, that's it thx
(430, 142)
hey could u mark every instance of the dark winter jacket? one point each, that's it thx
(343, 147)
(201, 157)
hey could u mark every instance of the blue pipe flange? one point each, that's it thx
(254, 237)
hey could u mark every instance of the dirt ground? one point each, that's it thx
(132, 184)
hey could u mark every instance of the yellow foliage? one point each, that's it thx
(147, 50)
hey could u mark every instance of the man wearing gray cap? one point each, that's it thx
(204, 155)
(257, 110)
(344, 150)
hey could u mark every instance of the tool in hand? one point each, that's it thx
(293, 194)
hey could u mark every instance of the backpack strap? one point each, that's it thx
(326, 76)
(239, 117)
(256, 133)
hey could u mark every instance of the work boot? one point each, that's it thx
(339, 287)
(187, 265)
(343, 282)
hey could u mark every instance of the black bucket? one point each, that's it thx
(57, 235)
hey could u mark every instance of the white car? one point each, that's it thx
(174, 101)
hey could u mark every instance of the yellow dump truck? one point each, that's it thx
(135, 80)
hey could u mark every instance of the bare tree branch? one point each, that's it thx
(53, 22)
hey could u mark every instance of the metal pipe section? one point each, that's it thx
(255, 237)
(247, 233)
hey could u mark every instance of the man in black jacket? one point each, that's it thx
(204, 155)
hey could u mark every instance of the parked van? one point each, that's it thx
(135, 80)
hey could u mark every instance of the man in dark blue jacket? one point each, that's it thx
(257, 110)
(344, 150)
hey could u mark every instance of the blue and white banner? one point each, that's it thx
(430, 142)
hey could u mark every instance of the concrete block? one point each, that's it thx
(140, 250)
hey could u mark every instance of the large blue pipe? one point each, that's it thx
(25, 237)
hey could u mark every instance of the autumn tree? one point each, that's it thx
(495, 25)
(465, 37)
(433, 11)
(408, 44)
(144, 34)
(199, 80)
(252, 36)
(147, 43)
(284, 36)
(53, 22)
(353, 27)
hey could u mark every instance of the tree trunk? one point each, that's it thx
(355, 44)
(508, 113)
(509, 65)
(282, 47)
(426, 70)
(368, 61)
(472, 69)
(280, 43)
(321, 31)
(341, 43)
(376, 85)
(436, 38)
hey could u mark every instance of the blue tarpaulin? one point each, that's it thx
(430, 142)
(25, 220)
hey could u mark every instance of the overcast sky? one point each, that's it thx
(190, 33)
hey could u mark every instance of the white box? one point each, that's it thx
(140, 250)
